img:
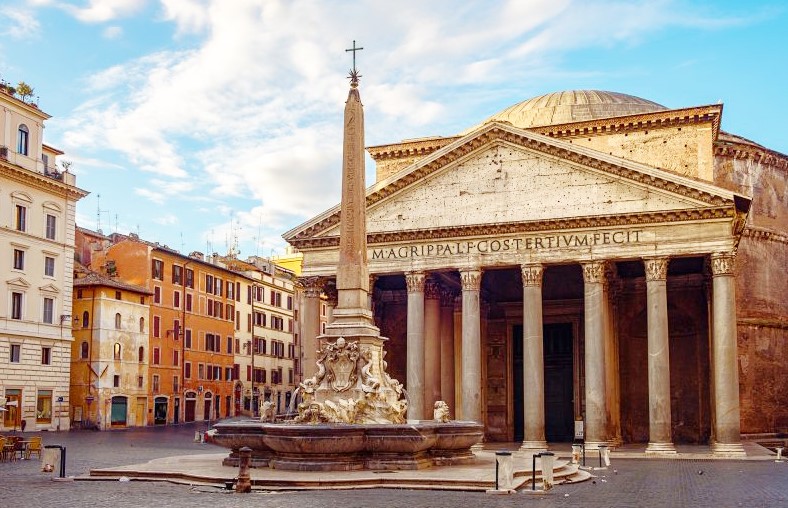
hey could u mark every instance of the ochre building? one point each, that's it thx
(580, 256)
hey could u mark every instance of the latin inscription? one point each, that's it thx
(508, 245)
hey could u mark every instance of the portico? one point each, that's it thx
(531, 282)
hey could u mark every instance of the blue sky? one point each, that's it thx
(202, 121)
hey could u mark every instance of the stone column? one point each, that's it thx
(471, 345)
(612, 380)
(533, 359)
(660, 440)
(330, 290)
(725, 369)
(415, 345)
(594, 305)
(432, 346)
(310, 319)
(447, 348)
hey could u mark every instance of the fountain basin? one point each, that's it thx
(348, 447)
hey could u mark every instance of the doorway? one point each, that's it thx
(558, 344)
(118, 412)
(191, 405)
(160, 411)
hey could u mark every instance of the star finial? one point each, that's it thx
(354, 74)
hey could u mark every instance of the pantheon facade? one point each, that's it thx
(582, 256)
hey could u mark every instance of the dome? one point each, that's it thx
(572, 106)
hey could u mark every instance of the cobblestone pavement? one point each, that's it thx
(635, 483)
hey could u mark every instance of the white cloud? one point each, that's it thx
(252, 112)
(167, 220)
(98, 11)
(112, 32)
(18, 22)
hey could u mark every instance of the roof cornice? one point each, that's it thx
(38, 180)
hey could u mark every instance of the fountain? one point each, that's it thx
(352, 414)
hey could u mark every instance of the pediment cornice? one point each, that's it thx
(508, 228)
(706, 195)
(18, 282)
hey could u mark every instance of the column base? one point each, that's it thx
(531, 447)
(594, 445)
(728, 450)
(661, 449)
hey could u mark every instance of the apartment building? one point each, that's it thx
(37, 203)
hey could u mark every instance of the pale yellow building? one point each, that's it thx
(37, 203)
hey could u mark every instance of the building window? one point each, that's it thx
(187, 338)
(118, 295)
(16, 305)
(49, 311)
(156, 326)
(51, 229)
(176, 358)
(21, 218)
(140, 381)
(176, 299)
(177, 274)
(187, 370)
(46, 356)
(19, 259)
(189, 278)
(175, 384)
(44, 406)
(141, 354)
(229, 345)
(15, 353)
(116, 351)
(208, 283)
(83, 350)
(116, 381)
(79, 293)
(117, 320)
(230, 290)
(23, 140)
(156, 294)
(157, 269)
(142, 325)
(188, 303)
(155, 383)
(156, 357)
(49, 266)
(289, 303)
(85, 319)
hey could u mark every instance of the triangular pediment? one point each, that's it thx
(49, 288)
(501, 175)
(18, 282)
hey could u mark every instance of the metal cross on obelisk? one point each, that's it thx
(354, 75)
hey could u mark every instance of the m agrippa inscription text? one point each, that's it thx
(487, 246)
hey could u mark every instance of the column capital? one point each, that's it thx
(656, 268)
(312, 285)
(432, 289)
(532, 274)
(415, 281)
(594, 272)
(722, 263)
(471, 279)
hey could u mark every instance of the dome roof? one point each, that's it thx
(572, 106)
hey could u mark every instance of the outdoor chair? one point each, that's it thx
(34, 446)
(2, 449)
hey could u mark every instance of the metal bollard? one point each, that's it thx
(779, 454)
(62, 458)
(504, 472)
(533, 470)
(244, 484)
